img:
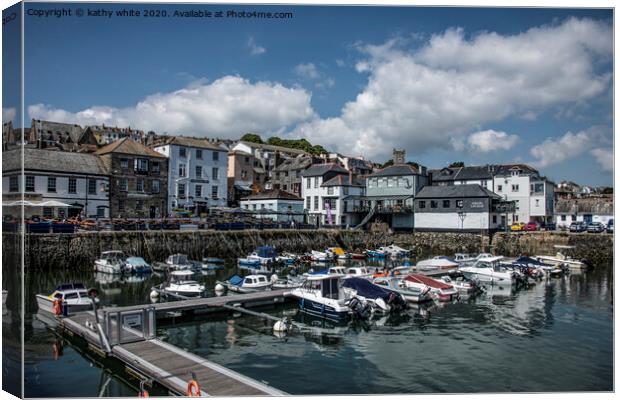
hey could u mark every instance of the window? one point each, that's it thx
(446, 204)
(422, 204)
(573, 218)
(307, 183)
(563, 217)
(316, 203)
(121, 205)
(495, 219)
(182, 169)
(13, 184)
(214, 191)
(72, 185)
(514, 172)
(316, 182)
(100, 212)
(244, 174)
(181, 189)
(124, 163)
(182, 152)
(459, 204)
(51, 184)
(330, 190)
(198, 191)
(139, 205)
(499, 188)
(247, 160)
(155, 186)
(516, 204)
(433, 204)
(216, 155)
(199, 154)
(142, 165)
(122, 184)
(139, 185)
(515, 188)
(285, 188)
(345, 190)
(198, 171)
(155, 166)
(29, 183)
(48, 212)
(254, 207)
(308, 202)
(215, 172)
(92, 186)
(537, 202)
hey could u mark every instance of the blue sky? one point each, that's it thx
(477, 85)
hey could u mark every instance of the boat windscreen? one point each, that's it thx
(330, 289)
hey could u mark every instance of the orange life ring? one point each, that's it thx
(193, 389)
(143, 393)
(57, 307)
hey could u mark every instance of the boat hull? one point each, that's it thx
(321, 310)
(46, 304)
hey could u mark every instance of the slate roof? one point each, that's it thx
(455, 191)
(74, 130)
(190, 142)
(504, 169)
(322, 169)
(343, 180)
(274, 194)
(53, 160)
(281, 149)
(474, 172)
(128, 146)
(298, 162)
(396, 170)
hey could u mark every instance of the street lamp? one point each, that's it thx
(462, 215)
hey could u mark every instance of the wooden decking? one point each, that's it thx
(166, 364)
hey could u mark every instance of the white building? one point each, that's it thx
(77, 179)
(532, 193)
(324, 189)
(586, 210)
(198, 171)
(276, 205)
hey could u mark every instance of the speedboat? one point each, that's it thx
(320, 256)
(287, 259)
(174, 262)
(563, 260)
(380, 298)
(110, 262)
(463, 258)
(440, 290)
(73, 295)
(395, 251)
(376, 253)
(534, 268)
(359, 272)
(136, 265)
(489, 270)
(212, 260)
(264, 255)
(335, 270)
(337, 252)
(438, 262)
(461, 285)
(414, 294)
(181, 284)
(249, 262)
(248, 284)
(321, 296)
(290, 282)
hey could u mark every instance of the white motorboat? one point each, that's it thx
(111, 262)
(563, 260)
(181, 284)
(72, 295)
(359, 272)
(438, 262)
(175, 262)
(463, 286)
(489, 270)
(322, 296)
(335, 270)
(337, 253)
(394, 251)
(290, 282)
(320, 256)
(248, 284)
(464, 258)
(414, 294)
(440, 290)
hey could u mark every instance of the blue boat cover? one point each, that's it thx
(366, 289)
(530, 260)
(321, 272)
(236, 280)
(267, 252)
(136, 261)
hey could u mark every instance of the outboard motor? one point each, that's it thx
(396, 302)
(359, 310)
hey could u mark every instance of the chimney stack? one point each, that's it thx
(398, 156)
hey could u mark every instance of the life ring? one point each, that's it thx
(143, 393)
(57, 307)
(193, 389)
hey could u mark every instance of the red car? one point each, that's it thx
(531, 226)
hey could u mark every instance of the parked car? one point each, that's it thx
(610, 226)
(578, 226)
(517, 226)
(531, 226)
(596, 227)
(548, 226)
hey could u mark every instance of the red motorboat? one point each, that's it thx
(441, 291)
(358, 256)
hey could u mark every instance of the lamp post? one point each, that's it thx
(462, 215)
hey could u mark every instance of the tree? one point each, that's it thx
(252, 137)
(456, 164)
(299, 144)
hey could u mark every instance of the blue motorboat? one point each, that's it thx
(213, 260)
(381, 298)
(137, 265)
(320, 295)
(375, 253)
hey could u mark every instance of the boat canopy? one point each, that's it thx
(236, 280)
(267, 252)
(366, 289)
(417, 278)
(136, 261)
(491, 259)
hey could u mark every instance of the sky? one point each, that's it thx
(479, 85)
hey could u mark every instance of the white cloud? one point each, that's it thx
(227, 108)
(307, 71)
(432, 96)
(490, 140)
(559, 149)
(255, 49)
(605, 158)
(8, 114)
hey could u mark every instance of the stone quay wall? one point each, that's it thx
(79, 250)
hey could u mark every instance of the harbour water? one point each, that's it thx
(554, 336)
